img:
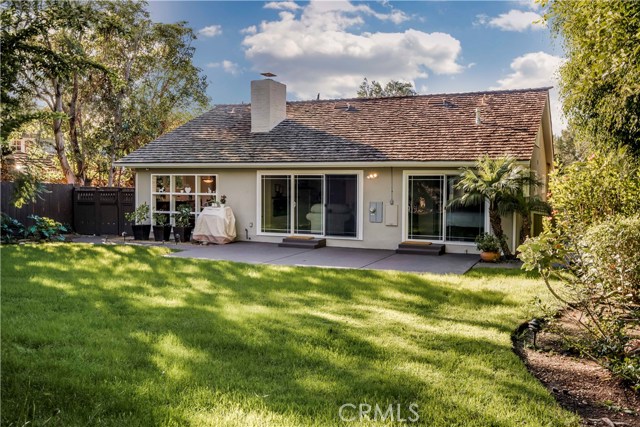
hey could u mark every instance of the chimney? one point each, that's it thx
(478, 119)
(268, 104)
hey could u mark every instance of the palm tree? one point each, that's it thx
(494, 180)
(524, 206)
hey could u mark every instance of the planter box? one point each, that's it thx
(161, 234)
(141, 232)
(183, 233)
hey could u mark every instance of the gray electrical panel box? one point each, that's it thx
(375, 211)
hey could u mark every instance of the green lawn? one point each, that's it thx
(120, 336)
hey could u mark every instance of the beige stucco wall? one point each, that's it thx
(240, 187)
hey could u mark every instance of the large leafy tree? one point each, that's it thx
(498, 181)
(374, 89)
(600, 81)
(116, 79)
(156, 86)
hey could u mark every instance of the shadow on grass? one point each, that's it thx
(117, 335)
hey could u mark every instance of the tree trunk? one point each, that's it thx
(73, 133)
(59, 137)
(525, 229)
(496, 226)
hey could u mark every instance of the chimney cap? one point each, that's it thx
(268, 74)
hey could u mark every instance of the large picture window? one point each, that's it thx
(310, 204)
(172, 190)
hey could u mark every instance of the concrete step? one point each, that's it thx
(419, 248)
(302, 243)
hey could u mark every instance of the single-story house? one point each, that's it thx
(362, 173)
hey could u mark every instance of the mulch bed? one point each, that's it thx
(581, 385)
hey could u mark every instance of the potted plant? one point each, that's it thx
(162, 228)
(182, 227)
(137, 218)
(223, 200)
(489, 247)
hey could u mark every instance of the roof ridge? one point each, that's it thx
(481, 92)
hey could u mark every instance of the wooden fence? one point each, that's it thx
(86, 210)
(57, 203)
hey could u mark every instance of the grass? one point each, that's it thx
(119, 335)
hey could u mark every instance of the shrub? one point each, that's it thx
(160, 220)
(586, 193)
(183, 216)
(138, 216)
(600, 276)
(45, 229)
(12, 229)
(487, 242)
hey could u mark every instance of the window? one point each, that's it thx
(313, 204)
(170, 191)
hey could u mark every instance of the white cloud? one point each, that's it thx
(282, 5)
(531, 4)
(514, 20)
(211, 31)
(249, 30)
(321, 51)
(537, 69)
(226, 65)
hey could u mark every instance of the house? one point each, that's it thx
(364, 173)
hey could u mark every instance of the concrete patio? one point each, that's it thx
(331, 257)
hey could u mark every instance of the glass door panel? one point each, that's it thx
(276, 205)
(425, 207)
(464, 223)
(341, 205)
(309, 216)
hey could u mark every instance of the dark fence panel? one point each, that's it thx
(56, 204)
(101, 211)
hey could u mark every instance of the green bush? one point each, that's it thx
(612, 258)
(586, 193)
(599, 272)
(12, 229)
(487, 242)
(45, 229)
(138, 216)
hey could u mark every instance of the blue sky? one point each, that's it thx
(328, 47)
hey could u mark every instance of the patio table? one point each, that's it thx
(215, 225)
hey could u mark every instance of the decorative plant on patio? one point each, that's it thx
(496, 181)
(137, 218)
(183, 223)
(162, 228)
(489, 247)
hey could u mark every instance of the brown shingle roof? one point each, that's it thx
(419, 128)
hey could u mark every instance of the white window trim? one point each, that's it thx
(405, 203)
(291, 173)
(170, 193)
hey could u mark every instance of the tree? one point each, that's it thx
(154, 85)
(113, 80)
(524, 206)
(568, 148)
(392, 88)
(600, 81)
(496, 181)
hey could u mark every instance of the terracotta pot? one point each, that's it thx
(490, 256)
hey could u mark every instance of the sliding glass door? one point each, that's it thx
(319, 205)
(276, 205)
(309, 206)
(427, 217)
(342, 205)
(425, 207)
